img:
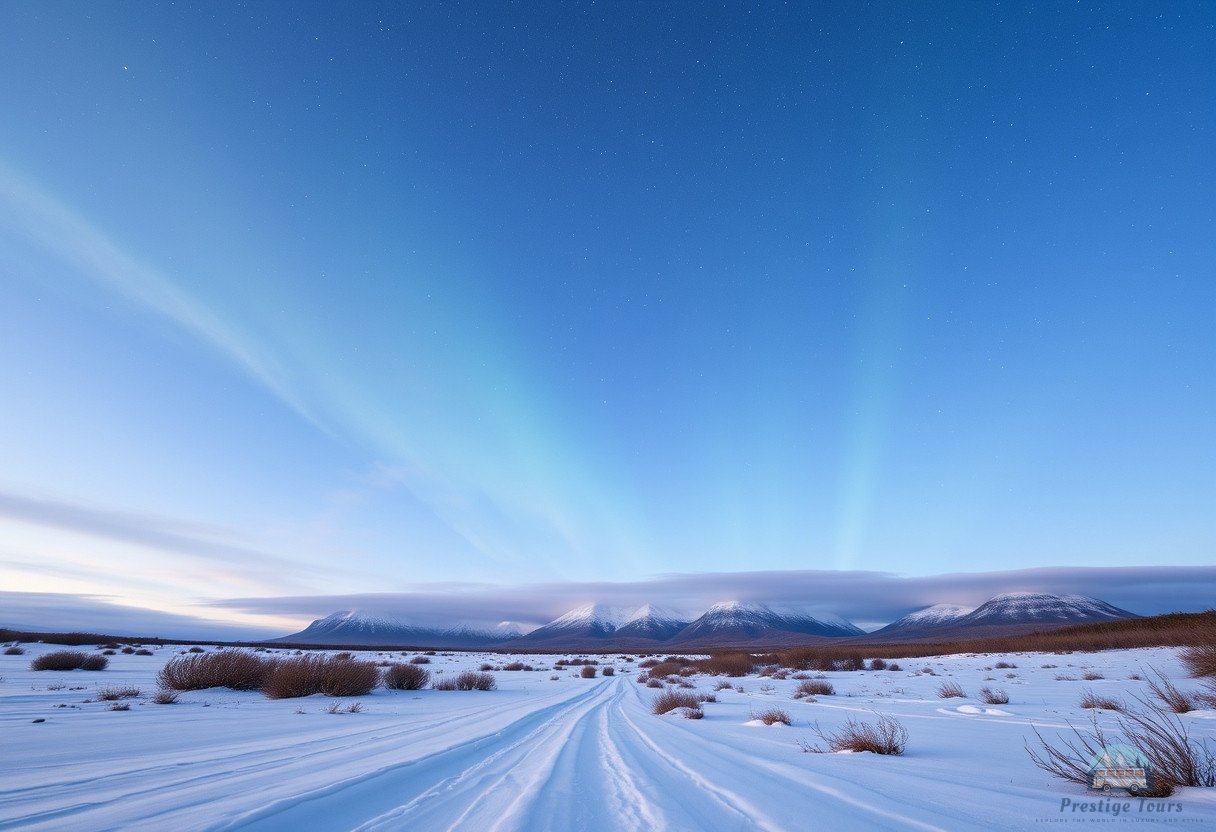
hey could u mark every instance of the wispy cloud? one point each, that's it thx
(61, 612)
(149, 531)
(36, 215)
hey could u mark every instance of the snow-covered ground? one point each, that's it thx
(564, 753)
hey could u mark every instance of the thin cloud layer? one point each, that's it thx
(875, 597)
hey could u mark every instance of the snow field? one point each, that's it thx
(556, 754)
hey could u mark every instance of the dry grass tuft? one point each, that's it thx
(771, 716)
(1171, 698)
(14, 651)
(994, 696)
(950, 690)
(672, 699)
(469, 680)
(1091, 700)
(814, 687)
(113, 694)
(887, 736)
(165, 696)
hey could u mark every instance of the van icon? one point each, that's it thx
(1120, 767)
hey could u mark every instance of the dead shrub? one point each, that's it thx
(233, 669)
(164, 696)
(514, 666)
(878, 664)
(671, 699)
(1091, 700)
(469, 680)
(1175, 758)
(1004, 666)
(771, 716)
(69, 660)
(196, 649)
(14, 651)
(143, 651)
(420, 660)
(693, 713)
(113, 694)
(332, 676)
(814, 687)
(653, 683)
(1200, 659)
(950, 690)
(666, 669)
(1091, 676)
(886, 736)
(120, 706)
(1171, 698)
(406, 677)
(728, 664)
(994, 696)
(608, 671)
(587, 672)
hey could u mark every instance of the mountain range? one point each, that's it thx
(739, 624)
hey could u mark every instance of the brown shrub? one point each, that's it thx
(814, 687)
(994, 696)
(332, 676)
(728, 664)
(771, 716)
(1092, 676)
(587, 672)
(1175, 758)
(116, 693)
(1089, 699)
(1170, 697)
(887, 736)
(878, 664)
(234, 669)
(69, 660)
(671, 699)
(14, 651)
(1200, 659)
(420, 660)
(164, 696)
(608, 671)
(950, 690)
(406, 677)
(469, 680)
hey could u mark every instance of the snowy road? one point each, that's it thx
(543, 753)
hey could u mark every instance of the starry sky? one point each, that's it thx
(302, 299)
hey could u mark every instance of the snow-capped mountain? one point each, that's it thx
(593, 626)
(732, 623)
(1042, 607)
(652, 623)
(353, 628)
(937, 615)
(1022, 611)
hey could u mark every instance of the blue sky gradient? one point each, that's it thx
(516, 294)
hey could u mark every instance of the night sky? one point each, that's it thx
(338, 298)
